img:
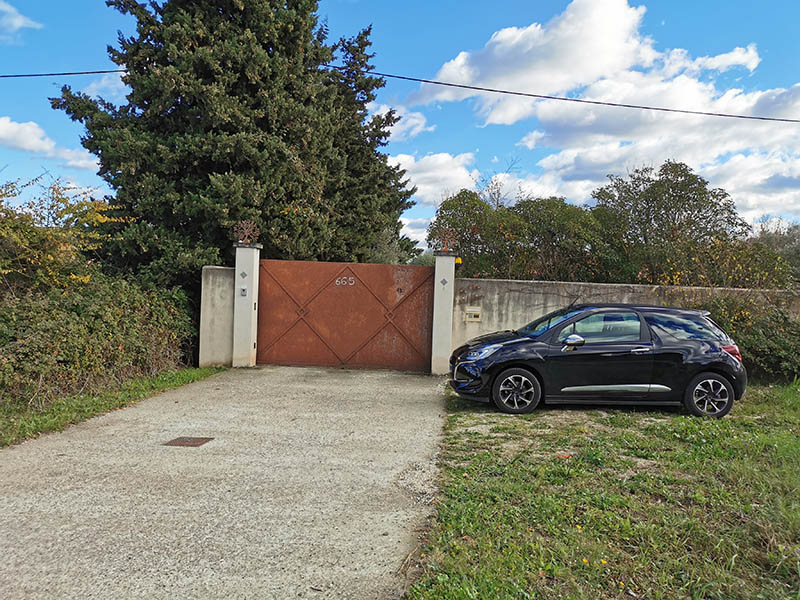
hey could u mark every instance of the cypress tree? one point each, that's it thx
(231, 117)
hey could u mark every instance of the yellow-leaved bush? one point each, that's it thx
(65, 326)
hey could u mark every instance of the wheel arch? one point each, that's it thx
(716, 369)
(520, 365)
(692, 404)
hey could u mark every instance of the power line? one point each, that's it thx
(479, 89)
(23, 75)
(580, 100)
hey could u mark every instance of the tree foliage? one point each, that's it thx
(231, 117)
(652, 216)
(43, 241)
(657, 227)
(784, 238)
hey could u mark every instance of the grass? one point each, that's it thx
(617, 503)
(18, 423)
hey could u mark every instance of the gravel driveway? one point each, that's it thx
(316, 485)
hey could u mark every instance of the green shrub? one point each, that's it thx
(94, 332)
(766, 332)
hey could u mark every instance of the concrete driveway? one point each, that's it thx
(316, 485)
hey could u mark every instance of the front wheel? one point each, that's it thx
(516, 391)
(709, 395)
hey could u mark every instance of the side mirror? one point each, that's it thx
(572, 341)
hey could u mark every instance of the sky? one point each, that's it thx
(732, 56)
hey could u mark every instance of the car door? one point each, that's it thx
(615, 361)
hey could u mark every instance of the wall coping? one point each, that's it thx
(650, 286)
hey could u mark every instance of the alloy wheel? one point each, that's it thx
(710, 396)
(517, 391)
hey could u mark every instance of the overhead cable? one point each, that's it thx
(479, 89)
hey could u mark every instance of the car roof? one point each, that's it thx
(641, 308)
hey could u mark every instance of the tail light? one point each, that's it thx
(733, 350)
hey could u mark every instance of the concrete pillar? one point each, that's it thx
(444, 288)
(245, 304)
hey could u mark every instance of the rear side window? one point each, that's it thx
(686, 327)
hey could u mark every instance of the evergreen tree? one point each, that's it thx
(374, 215)
(231, 118)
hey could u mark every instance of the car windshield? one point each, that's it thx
(543, 324)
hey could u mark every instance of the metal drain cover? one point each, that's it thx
(188, 441)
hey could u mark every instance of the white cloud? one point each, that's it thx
(590, 40)
(595, 50)
(594, 142)
(438, 175)
(415, 229)
(30, 137)
(529, 141)
(109, 86)
(77, 159)
(513, 186)
(410, 125)
(738, 57)
(25, 136)
(11, 22)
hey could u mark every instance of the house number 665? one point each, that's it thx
(345, 281)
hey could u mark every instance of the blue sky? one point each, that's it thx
(722, 56)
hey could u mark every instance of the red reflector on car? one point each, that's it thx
(733, 350)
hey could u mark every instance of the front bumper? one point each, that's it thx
(470, 378)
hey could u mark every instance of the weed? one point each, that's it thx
(18, 423)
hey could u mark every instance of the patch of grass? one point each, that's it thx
(619, 503)
(18, 423)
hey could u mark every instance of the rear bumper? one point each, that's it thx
(740, 384)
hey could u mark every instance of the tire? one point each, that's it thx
(516, 391)
(709, 395)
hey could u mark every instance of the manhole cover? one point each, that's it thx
(188, 441)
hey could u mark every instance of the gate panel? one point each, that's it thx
(345, 314)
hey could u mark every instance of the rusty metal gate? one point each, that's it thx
(345, 314)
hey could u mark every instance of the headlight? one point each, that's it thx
(480, 353)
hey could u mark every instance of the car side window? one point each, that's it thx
(606, 327)
(686, 327)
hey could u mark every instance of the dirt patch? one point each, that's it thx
(419, 479)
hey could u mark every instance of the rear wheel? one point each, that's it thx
(709, 395)
(516, 391)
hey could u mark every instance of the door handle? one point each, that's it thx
(640, 350)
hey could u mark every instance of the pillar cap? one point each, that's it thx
(243, 245)
(445, 253)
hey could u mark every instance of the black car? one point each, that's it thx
(605, 353)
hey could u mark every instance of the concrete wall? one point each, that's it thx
(216, 317)
(485, 305)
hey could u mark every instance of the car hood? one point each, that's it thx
(498, 337)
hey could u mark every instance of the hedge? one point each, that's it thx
(767, 334)
(98, 331)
